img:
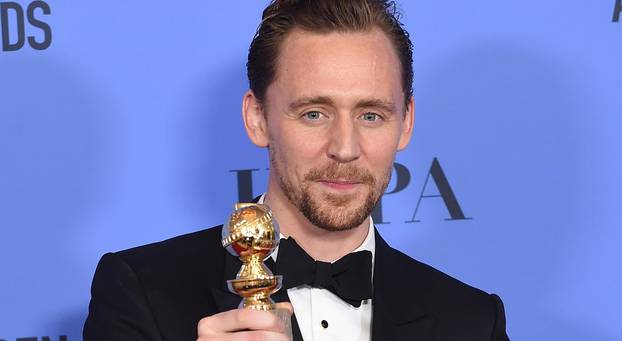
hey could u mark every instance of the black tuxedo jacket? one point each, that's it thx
(161, 291)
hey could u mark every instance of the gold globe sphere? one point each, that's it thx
(251, 231)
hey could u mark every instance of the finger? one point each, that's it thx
(239, 319)
(286, 306)
(247, 335)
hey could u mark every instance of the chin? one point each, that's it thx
(340, 212)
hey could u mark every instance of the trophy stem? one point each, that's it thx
(253, 267)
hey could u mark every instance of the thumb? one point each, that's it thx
(285, 306)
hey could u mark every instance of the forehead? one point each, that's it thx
(341, 65)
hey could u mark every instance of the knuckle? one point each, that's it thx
(206, 338)
(204, 327)
(203, 323)
(243, 315)
(257, 336)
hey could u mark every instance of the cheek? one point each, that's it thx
(380, 147)
(302, 142)
(296, 152)
(382, 162)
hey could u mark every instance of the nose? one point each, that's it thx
(344, 143)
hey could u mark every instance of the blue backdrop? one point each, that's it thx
(126, 129)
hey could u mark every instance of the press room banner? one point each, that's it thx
(120, 125)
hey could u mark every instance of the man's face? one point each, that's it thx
(335, 117)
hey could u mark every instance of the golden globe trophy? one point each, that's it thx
(251, 234)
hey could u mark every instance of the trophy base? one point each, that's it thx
(256, 292)
(258, 303)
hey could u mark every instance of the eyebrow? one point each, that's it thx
(384, 105)
(304, 101)
(364, 103)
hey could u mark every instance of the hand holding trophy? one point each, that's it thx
(252, 234)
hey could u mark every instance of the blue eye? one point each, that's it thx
(313, 115)
(370, 117)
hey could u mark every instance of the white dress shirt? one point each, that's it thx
(322, 315)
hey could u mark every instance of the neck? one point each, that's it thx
(319, 243)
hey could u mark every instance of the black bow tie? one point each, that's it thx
(349, 277)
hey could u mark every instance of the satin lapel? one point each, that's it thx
(398, 313)
(226, 300)
(281, 296)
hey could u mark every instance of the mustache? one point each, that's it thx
(336, 171)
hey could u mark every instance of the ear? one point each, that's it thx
(254, 120)
(407, 128)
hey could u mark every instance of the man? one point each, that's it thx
(331, 99)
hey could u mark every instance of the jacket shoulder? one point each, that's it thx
(156, 291)
(455, 305)
(434, 279)
(198, 251)
(415, 275)
(176, 248)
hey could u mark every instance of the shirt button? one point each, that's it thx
(324, 324)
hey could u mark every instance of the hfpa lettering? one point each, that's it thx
(445, 194)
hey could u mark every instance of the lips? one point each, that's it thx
(340, 184)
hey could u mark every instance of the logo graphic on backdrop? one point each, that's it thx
(617, 10)
(43, 338)
(13, 18)
(444, 195)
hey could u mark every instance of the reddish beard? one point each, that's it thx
(331, 212)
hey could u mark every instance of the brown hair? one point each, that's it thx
(323, 16)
